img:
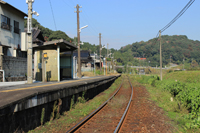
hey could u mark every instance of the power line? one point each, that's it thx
(178, 15)
(85, 20)
(175, 18)
(156, 39)
(68, 5)
(53, 14)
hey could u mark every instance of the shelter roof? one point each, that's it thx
(64, 45)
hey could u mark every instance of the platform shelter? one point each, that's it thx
(49, 64)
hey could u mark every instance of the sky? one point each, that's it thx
(120, 22)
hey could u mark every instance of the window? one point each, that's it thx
(16, 27)
(5, 22)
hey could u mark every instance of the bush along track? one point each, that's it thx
(186, 95)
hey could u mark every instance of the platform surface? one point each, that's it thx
(13, 92)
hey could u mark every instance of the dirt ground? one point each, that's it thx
(145, 116)
(107, 119)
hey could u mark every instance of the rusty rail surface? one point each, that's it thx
(125, 112)
(77, 126)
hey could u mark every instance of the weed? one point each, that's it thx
(42, 116)
(183, 87)
(58, 108)
(54, 109)
(72, 103)
(82, 98)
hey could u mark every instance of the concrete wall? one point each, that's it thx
(25, 114)
(7, 37)
(66, 65)
(51, 65)
(15, 68)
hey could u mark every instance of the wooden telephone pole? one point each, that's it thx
(100, 50)
(29, 51)
(160, 56)
(78, 35)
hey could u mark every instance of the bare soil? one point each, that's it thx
(107, 119)
(145, 116)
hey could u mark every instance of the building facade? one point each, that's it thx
(12, 24)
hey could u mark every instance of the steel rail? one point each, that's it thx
(74, 128)
(125, 112)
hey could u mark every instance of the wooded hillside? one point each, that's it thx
(179, 47)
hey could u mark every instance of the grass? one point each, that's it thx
(78, 112)
(171, 106)
(184, 76)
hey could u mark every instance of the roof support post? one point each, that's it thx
(58, 63)
(1, 57)
(72, 65)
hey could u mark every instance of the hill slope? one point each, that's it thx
(179, 47)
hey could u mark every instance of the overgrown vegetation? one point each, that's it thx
(78, 110)
(181, 97)
(42, 116)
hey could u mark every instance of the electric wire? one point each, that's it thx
(175, 19)
(70, 6)
(85, 19)
(53, 14)
(178, 15)
(156, 39)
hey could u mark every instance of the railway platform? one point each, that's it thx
(21, 105)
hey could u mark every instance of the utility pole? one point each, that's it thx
(106, 58)
(94, 63)
(100, 50)
(29, 51)
(107, 50)
(160, 57)
(78, 35)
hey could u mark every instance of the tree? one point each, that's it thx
(194, 64)
(58, 35)
(119, 70)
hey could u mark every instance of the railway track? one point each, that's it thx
(116, 126)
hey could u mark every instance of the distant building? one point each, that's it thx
(85, 56)
(140, 58)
